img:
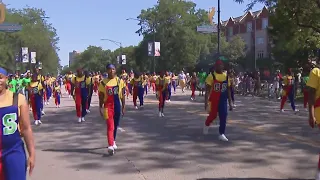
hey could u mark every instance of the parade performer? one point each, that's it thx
(162, 91)
(69, 78)
(15, 124)
(40, 79)
(81, 83)
(96, 83)
(193, 84)
(217, 97)
(90, 90)
(57, 94)
(232, 86)
(313, 85)
(202, 84)
(137, 89)
(288, 91)
(182, 80)
(168, 77)
(146, 84)
(36, 100)
(112, 104)
(174, 79)
(153, 82)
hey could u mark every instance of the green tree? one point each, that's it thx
(36, 34)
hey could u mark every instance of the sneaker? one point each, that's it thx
(42, 112)
(206, 129)
(111, 150)
(79, 120)
(88, 111)
(141, 106)
(115, 147)
(82, 119)
(39, 121)
(58, 106)
(281, 110)
(36, 122)
(222, 137)
(136, 107)
(160, 114)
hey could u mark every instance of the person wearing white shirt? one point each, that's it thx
(182, 80)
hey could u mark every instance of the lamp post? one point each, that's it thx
(119, 44)
(154, 40)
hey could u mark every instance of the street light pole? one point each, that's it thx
(219, 28)
(154, 39)
(119, 44)
(154, 48)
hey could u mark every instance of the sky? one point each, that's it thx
(81, 23)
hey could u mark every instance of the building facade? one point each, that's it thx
(72, 56)
(253, 28)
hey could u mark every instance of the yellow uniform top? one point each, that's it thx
(162, 82)
(219, 77)
(111, 83)
(314, 82)
(80, 79)
(288, 80)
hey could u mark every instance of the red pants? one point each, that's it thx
(193, 90)
(110, 124)
(153, 85)
(95, 87)
(68, 87)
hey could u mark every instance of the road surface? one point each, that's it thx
(263, 144)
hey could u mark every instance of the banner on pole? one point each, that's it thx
(118, 59)
(25, 55)
(123, 59)
(150, 49)
(17, 57)
(157, 49)
(33, 56)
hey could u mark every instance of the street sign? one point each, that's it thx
(207, 29)
(8, 27)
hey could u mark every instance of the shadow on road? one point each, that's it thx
(176, 140)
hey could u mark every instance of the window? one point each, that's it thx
(264, 23)
(260, 54)
(230, 31)
(249, 27)
(260, 40)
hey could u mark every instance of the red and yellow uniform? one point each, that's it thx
(113, 91)
(81, 85)
(162, 86)
(137, 90)
(218, 99)
(288, 92)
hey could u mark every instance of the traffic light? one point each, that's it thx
(211, 14)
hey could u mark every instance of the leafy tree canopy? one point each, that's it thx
(173, 23)
(36, 34)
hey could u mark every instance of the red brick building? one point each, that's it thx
(252, 27)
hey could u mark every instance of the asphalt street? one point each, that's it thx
(264, 144)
